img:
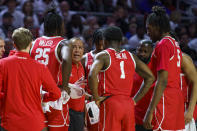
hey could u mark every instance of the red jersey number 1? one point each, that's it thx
(122, 76)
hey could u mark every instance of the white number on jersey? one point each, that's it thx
(122, 70)
(42, 53)
(179, 58)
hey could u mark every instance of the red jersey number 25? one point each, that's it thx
(42, 55)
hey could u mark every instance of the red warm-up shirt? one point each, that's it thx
(21, 78)
(77, 73)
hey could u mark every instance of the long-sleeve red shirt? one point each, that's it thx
(21, 78)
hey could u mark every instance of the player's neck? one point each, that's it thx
(25, 50)
(96, 51)
(76, 63)
(165, 34)
(116, 48)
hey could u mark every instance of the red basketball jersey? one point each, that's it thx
(44, 50)
(117, 79)
(167, 56)
(88, 64)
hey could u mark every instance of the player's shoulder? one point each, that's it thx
(7, 59)
(39, 38)
(102, 55)
(186, 57)
(167, 41)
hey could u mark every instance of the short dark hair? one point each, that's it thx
(97, 36)
(113, 33)
(53, 23)
(22, 38)
(159, 18)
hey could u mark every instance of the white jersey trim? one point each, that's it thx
(104, 118)
(33, 43)
(181, 75)
(86, 60)
(91, 53)
(133, 59)
(172, 44)
(58, 74)
(169, 130)
(109, 61)
(47, 37)
(65, 123)
(181, 78)
(160, 124)
(56, 55)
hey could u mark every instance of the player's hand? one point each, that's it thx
(99, 100)
(147, 120)
(67, 89)
(81, 82)
(188, 116)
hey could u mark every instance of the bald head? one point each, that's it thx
(144, 50)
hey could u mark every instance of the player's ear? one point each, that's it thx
(15, 46)
(30, 45)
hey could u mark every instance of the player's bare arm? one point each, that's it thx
(65, 54)
(101, 62)
(83, 61)
(189, 70)
(162, 78)
(143, 70)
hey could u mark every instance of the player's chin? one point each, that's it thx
(76, 59)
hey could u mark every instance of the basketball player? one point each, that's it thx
(21, 78)
(167, 102)
(118, 67)
(88, 58)
(55, 52)
(144, 53)
(87, 62)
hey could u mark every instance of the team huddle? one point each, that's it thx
(49, 84)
